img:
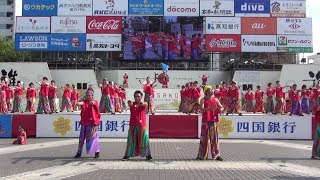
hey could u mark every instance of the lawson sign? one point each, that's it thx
(50, 42)
(252, 8)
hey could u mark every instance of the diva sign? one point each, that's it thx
(104, 25)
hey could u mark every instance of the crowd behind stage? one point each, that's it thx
(113, 98)
(293, 102)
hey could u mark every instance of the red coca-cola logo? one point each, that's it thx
(104, 25)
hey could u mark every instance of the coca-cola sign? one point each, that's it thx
(104, 25)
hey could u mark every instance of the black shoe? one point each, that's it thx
(77, 156)
(125, 158)
(240, 114)
(227, 114)
(149, 158)
(218, 158)
(97, 155)
(199, 159)
(290, 114)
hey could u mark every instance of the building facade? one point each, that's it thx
(6, 18)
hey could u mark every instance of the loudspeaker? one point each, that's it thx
(85, 85)
(79, 86)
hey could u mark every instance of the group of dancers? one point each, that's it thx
(297, 102)
(171, 43)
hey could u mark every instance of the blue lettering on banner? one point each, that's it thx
(289, 126)
(243, 127)
(258, 127)
(50, 42)
(274, 127)
(252, 6)
(146, 7)
(124, 124)
(5, 125)
(112, 126)
(39, 7)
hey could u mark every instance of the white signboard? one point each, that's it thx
(68, 125)
(165, 99)
(103, 42)
(259, 43)
(223, 25)
(33, 25)
(301, 26)
(110, 8)
(74, 7)
(217, 8)
(288, 8)
(181, 8)
(68, 24)
(265, 127)
(294, 43)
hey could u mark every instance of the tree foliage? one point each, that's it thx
(9, 54)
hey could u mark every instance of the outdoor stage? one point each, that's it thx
(162, 125)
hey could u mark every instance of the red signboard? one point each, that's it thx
(27, 121)
(223, 43)
(104, 25)
(168, 126)
(255, 25)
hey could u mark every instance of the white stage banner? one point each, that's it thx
(68, 125)
(265, 127)
(68, 24)
(33, 24)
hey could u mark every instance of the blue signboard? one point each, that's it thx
(67, 42)
(146, 7)
(39, 8)
(50, 42)
(5, 125)
(31, 42)
(252, 6)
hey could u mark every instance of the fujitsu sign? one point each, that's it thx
(104, 25)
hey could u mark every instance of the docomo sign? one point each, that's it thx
(181, 8)
(223, 43)
(104, 25)
(255, 25)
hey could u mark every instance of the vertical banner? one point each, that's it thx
(288, 8)
(110, 8)
(181, 8)
(252, 8)
(39, 7)
(145, 8)
(5, 126)
(222, 8)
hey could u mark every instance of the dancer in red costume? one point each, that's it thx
(249, 97)
(18, 92)
(270, 104)
(3, 99)
(125, 80)
(149, 94)
(43, 105)
(280, 96)
(22, 138)
(259, 105)
(31, 98)
(233, 106)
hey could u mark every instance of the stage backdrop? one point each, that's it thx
(68, 125)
